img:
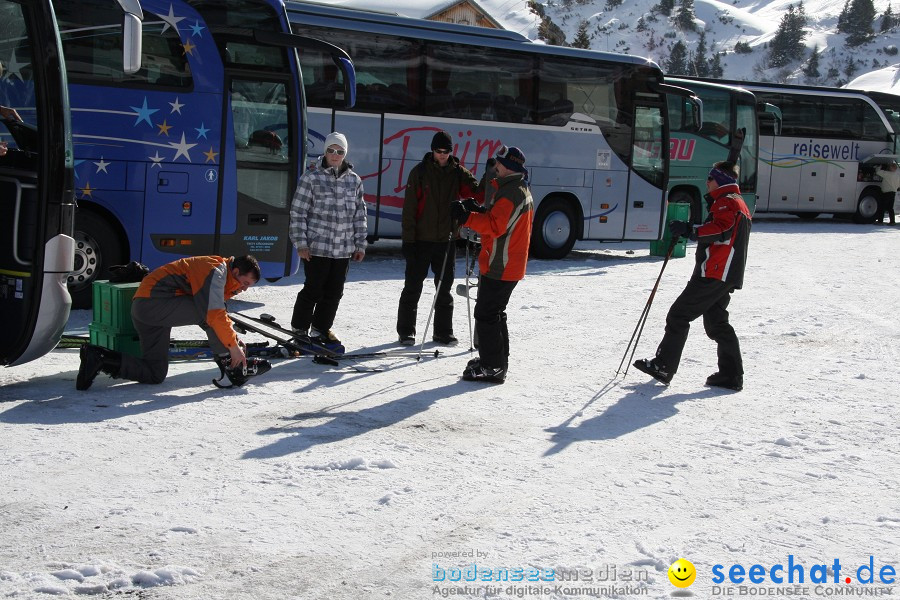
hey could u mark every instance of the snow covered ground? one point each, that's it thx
(320, 482)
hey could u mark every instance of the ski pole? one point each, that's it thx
(436, 292)
(639, 328)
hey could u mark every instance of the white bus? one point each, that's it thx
(824, 160)
(592, 125)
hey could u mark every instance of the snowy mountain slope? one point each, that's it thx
(725, 24)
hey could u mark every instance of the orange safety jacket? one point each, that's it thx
(208, 279)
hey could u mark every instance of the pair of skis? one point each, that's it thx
(187, 349)
(296, 345)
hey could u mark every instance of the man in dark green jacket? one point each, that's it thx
(432, 186)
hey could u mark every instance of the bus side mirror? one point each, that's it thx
(132, 30)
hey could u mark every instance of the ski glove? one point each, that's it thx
(471, 205)
(459, 212)
(682, 229)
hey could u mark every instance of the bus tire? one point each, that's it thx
(807, 216)
(97, 247)
(867, 207)
(272, 279)
(685, 197)
(554, 229)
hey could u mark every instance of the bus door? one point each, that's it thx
(365, 138)
(36, 202)
(255, 203)
(648, 178)
(784, 174)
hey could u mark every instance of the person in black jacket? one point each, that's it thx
(719, 270)
(432, 186)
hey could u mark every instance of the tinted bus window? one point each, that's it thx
(92, 44)
(483, 84)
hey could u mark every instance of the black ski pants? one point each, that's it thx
(428, 255)
(490, 321)
(708, 298)
(154, 319)
(317, 303)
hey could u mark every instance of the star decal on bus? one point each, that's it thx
(176, 106)
(197, 29)
(143, 113)
(188, 47)
(156, 160)
(171, 20)
(86, 190)
(182, 149)
(202, 131)
(210, 156)
(101, 166)
(164, 128)
(13, 67)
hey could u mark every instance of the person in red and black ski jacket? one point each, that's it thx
(722, 242)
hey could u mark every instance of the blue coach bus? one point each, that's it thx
(198, 152)
(593, 125)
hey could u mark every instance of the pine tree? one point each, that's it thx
(812, 66)
(887, 19)
(641, 24)
(850, 67)
(677, 63)
(715, 66)
(857, 21)
(842, 18)
(701, 63)
(787, 44)
(666, 6)
(582, 39)
(685, 17)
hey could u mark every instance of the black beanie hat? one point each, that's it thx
(442, 141)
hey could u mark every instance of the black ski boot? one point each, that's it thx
(239, 376)
(479, 372)
(654, 369)
(93, 360)
(729, 382)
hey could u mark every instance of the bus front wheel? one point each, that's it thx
(867, 208)
(96, 248)
(554, 229)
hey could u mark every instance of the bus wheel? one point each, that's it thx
(273, 279)
(807, 216)
(96, 248)
(867, 208)
(683, 197)
(553, 232)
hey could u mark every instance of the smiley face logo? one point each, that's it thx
(682, 573)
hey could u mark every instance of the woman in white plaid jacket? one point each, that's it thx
(328, 228)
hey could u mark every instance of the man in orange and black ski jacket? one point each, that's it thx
(505, 230)
(188, 291)
(719, 270)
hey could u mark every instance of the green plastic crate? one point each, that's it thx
(112, 305)
(109, 337)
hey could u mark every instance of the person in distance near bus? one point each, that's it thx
(890, 182)
(188, 291)
(432, 186)
(505, 230)
(719, 270)
(328, 228)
